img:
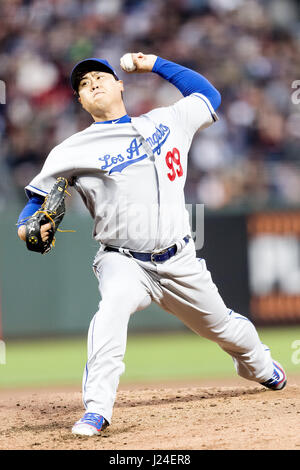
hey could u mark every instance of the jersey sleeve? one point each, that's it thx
(55, 165)
(193, 113)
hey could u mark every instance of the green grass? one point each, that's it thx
(148, 358)
(43, 362)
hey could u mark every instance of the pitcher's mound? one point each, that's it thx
(157, 417)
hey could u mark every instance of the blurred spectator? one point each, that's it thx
(249, 49)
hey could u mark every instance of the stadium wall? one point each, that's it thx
(254, 260)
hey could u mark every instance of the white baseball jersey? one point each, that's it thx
(131, 175)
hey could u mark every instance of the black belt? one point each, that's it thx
(158, 257)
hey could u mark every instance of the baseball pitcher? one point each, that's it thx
(130, 173)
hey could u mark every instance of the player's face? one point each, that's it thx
(100, 91)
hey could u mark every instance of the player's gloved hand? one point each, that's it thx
(143, 62)
(41, 226)
(44, 232)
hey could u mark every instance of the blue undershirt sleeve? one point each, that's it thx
(33, 205)
(186, 80)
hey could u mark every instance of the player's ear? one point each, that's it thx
(121, 87)
(76, 94)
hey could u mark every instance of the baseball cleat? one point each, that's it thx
(278, 379)
(90, 425)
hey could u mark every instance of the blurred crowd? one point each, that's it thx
(248, 49)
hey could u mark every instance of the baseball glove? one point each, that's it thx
(53, 211)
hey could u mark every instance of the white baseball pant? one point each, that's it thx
(183, 287)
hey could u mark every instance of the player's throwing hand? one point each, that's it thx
(138, 62)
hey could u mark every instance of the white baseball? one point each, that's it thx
(126, 63)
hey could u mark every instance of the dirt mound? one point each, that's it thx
(157, 417)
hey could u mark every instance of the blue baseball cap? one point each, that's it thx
(89, 65)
